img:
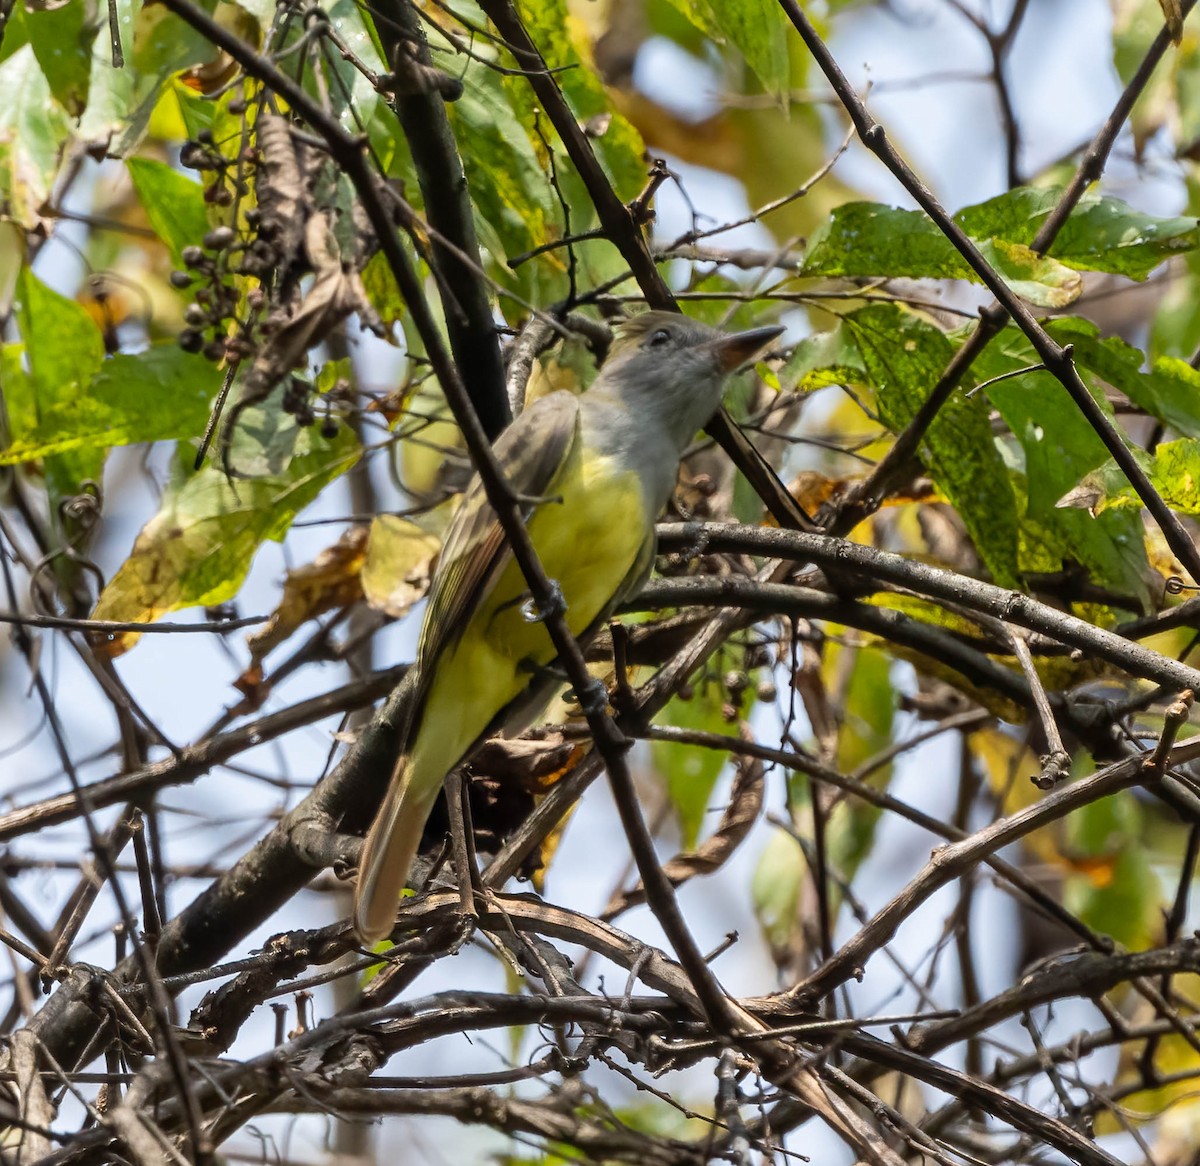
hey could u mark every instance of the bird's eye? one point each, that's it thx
(660, 338)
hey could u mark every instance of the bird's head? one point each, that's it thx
(656, 341)
(675, 366)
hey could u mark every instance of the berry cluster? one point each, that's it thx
(215, 304)
(297, 400)
(263, 248)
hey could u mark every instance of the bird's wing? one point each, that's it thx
(531, 452)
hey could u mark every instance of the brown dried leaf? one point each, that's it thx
(534, 763)
(813, 490)
(332, 580)
(1172, 11)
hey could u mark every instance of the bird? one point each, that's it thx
(592, 471)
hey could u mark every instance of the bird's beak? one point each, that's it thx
(734, 350)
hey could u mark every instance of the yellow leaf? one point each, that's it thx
(399, 561)
(197, 549)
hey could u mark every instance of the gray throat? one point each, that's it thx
(649, 435)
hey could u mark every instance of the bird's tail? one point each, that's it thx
(389, 851)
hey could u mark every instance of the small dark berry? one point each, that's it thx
(195, 315)
(214, 350)
(223, 197)
(193, 256)
(329, 429)
(190, 340)
(180, 279)
(219, 238)
(205, 136)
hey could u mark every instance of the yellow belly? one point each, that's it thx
(589, 544)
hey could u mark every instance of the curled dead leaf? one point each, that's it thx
(745, 805)
(330, 581)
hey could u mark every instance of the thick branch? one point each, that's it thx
(470, 325)
(852, 561)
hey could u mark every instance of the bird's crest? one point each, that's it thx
(630, 332)
(635, 327)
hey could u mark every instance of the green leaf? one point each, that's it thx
(62, 37)
(1168, 97)
(823, 359)
(1036, 278)
(383, 293)
(263, 11)
(866, 240)
(863, 240)
(174, 204)
(1168, 391)
(510, 190)
(869, 706)
(157, 394)
(1120, 895)
(163, 43)
(504, 139)
(34, 131)
(1129, 906)
(691, 773)
(777, 887)
(1058, 448)
(44, 381)
(16, 391)
(1175, 333)
(353, 96)
(864, 732)
(699, 15)
(619, 147)
(12, 259)
(903, 356)
(63, 347)
(16, 36)
(1104, 234)
(1176, 327)
(756, 28)
(1174, 472)
(198, 547)
(114, 95)
(1101, 234)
